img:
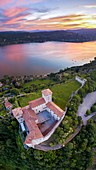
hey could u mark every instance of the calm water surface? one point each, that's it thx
(42, 58)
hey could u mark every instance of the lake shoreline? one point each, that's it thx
(31, 77)
(44, 58)
(21, 43)
(72, 36)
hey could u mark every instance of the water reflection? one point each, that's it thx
(41, 58)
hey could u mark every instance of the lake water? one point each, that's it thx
(42, 58)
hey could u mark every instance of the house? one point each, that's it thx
(80, 80)
(39, 119)
(8, 105)
(1, 84)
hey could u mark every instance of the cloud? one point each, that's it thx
(27, 2)
(43, 10)
(63, 22)
(12, 12)
(5, 2)
(90, 6)
(24, 18)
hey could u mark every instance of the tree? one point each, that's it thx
(93, 108)
(14, 91)
(80, 122)
(88, 112)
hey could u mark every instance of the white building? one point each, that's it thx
(80, 80)
(39, 119)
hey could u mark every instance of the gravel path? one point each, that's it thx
(88, 101)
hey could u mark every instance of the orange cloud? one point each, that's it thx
(17, 19)
(63, 22)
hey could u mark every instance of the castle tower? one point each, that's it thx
(47, 95)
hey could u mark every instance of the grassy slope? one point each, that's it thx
(38, 82)
(23, 101)
(61, 93)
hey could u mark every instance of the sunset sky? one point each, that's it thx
(18, 15)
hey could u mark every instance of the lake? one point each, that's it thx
(43, 58)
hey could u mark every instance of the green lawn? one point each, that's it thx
(38, 82)
(61, 94)
(2, 110)
(23, 101)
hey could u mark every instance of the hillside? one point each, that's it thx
(84, 35)
(78, 154)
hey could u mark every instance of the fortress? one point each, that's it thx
(39, 119)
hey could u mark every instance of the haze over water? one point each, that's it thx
(43, 58)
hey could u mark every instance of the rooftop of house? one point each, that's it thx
(36, 102)
(37, 130)
(17, 111)
(46, 92)
(8, 105)
(57, 110)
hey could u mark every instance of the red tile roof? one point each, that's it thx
(29, 115)
(36, 102)
(34, 132)
(57, 110)
(46, 92)
(16, 112)
(8, 105)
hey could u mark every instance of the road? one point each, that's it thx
(88, 101)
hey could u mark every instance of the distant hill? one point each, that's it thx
(81, 35)
(87, 33)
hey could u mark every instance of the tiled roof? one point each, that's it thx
(57, 110)
(34, 132)
(29, 116)
(46, 92)
(16, 112)
(36, 102)
(8, 105)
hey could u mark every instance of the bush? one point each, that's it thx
(93, 108)
(88, 112)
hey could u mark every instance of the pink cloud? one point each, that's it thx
(14, 11)
(15, 20)
(4, 2)
(19, 2)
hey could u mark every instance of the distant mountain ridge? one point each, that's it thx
(17, 37)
